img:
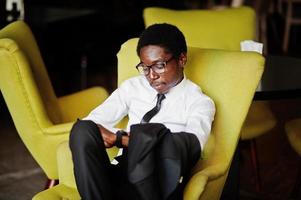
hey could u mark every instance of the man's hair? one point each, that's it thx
(164, 35)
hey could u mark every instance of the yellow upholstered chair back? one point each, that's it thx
(27, 91)
(212, 29)
(230, 78)
(22, 35)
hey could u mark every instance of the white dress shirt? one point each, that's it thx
(185, 107)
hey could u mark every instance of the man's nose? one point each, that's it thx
(152, 74)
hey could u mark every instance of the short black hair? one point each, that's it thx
(164, 35)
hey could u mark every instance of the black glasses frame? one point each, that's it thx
(141, 65)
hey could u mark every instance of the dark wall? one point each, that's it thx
(97, 37)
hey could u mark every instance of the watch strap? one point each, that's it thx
(119, 135)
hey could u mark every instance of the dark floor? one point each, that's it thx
(278, 162)
(20, 176)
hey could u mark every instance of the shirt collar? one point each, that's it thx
(176, 90)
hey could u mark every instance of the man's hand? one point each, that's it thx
(108, 137)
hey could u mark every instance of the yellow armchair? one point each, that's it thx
(41, 118)
(230, 79)
(221, 29)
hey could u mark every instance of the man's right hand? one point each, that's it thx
(108, 137)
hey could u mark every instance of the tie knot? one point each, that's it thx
(160, 98)
(146, 118)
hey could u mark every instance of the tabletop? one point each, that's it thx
(281, 79)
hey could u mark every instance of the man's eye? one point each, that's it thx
(145, 68)
(159, 66)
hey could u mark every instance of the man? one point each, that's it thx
(169, 118)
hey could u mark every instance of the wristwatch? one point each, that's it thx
(119, 135)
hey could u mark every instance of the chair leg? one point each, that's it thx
(287, 28)
(50, 183)
(255, 165)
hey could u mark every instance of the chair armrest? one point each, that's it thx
(199, 180)
(79, 104)
(58, 129)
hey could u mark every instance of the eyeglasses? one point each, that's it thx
(158, 67)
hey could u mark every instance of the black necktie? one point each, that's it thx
(147, 117)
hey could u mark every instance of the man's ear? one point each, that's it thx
(182, 59)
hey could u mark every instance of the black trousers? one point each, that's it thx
(97, 179)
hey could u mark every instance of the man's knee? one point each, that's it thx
(82, 133)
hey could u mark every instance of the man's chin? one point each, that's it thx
(160, 88)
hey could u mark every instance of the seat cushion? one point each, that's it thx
(59, 191)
